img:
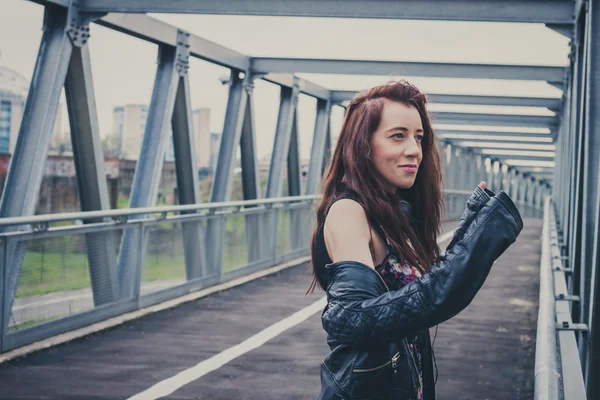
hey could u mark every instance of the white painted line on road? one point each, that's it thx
(168, 386)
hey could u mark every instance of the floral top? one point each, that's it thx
(396, 274)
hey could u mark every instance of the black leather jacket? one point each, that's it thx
(367, 324)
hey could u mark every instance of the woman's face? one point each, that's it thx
(396, 145)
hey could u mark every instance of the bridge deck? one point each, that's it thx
(486, 352)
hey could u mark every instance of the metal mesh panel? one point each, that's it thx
(54, 281)
(284, 243)
(235, 250)
(164, 261)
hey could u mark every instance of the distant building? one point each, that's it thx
(13, 93)
(129, 123)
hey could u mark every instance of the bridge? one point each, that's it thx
(204, 297)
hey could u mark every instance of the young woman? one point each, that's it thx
(374, 250)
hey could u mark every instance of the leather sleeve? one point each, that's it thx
(356, 316)
(475, 203)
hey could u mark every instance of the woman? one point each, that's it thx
(374, 250)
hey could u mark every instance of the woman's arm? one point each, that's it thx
(357, 317)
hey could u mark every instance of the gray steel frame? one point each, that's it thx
(555, 12)
(63, 55)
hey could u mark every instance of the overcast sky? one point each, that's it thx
(124, 67)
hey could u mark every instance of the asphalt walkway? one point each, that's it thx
(223, 344)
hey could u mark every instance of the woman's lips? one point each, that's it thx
(409, 168)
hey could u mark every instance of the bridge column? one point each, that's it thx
(149, 167)
(490, 174)
(590, 295)
(223, 176)
(318, 150)
(283, 138)
(27, 163)
(188, 189)
(89, 163)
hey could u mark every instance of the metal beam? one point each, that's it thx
(281, 145)
(556, 11)
(27, 164)
(161, 33)
(504, 157)
(250, 180)
(304, 86)
(405, 68)
(339, 96)
(317, 153)
(533, 121)
(91, 176)
(223, 176)
(485, 135)
(188, 190)
(487, 144)
(149, 167)
(591, 203)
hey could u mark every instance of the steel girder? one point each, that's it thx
(91, 177)
(404, 68)
(590, 232)
(340, 96)
(485, 135)
(318, 150)
(27, 165)
(148, 169)
(555, 12)
(188, 190)
(498, 145)
(533, 121)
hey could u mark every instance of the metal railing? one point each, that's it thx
(56, 290)
(65, 279)
(558, 372)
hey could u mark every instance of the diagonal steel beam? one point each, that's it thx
(91, 177)
(317, 153)
(556, 11)
(405, 68)
(148, 170)
(533, 121)
(188, 190)
(339, 96)
(27, 164)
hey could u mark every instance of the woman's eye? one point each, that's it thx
(398, 135)
(419, 137)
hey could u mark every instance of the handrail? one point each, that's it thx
(85, 215)
(555, 331)
(546, 374)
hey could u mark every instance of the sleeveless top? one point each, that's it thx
(394, 272)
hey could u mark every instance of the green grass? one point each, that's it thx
(55, 271)
(28, 324)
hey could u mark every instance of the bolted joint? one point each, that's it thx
(182, 54)
(78, 24)
(248, 83)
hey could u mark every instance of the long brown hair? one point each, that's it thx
(352, 163)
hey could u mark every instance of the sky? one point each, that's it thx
(123, 67)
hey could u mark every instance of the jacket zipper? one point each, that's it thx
(397, 355)
(392, 361)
